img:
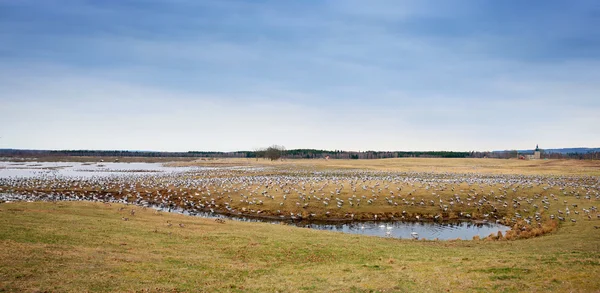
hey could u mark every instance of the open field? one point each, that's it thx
(480, 166)
(436, 165)
(78, 247)
(46, 243)
(302, 190)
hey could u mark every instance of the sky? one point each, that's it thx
(226, 75)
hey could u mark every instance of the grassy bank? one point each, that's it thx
(78, 247)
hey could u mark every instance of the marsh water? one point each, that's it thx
(395, 229)
(76, 169)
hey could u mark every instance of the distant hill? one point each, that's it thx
(572, 150)
(562, 151)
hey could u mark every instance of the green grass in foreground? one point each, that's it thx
(79, 247)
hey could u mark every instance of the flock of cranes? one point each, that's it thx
(336, 195)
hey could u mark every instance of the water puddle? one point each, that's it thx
(393, 229)
(86, 170)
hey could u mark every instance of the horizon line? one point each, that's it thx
(242, 151)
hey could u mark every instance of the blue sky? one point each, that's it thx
(355, 75)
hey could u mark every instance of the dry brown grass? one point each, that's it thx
(410, 200)
(436, 165)
(81, 247)
(87, 247)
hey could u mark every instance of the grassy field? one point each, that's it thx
(435, 165)
(83, 246)
(80, 247)
(398, 189)
(478, 166)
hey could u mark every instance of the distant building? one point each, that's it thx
(537, 154)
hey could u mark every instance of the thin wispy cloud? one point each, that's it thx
(232, 75)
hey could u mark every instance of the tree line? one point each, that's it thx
(276, 152)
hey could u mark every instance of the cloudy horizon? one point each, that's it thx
(239, 75)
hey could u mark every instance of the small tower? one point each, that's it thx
(537, 154)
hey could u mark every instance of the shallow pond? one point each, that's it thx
(395, 229)
(76, 169)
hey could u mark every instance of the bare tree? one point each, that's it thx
(259, 153)
(274, 152)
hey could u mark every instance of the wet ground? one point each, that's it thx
(104, 170)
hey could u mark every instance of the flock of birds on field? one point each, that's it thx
(340, 194)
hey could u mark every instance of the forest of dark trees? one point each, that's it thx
(291, 154)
